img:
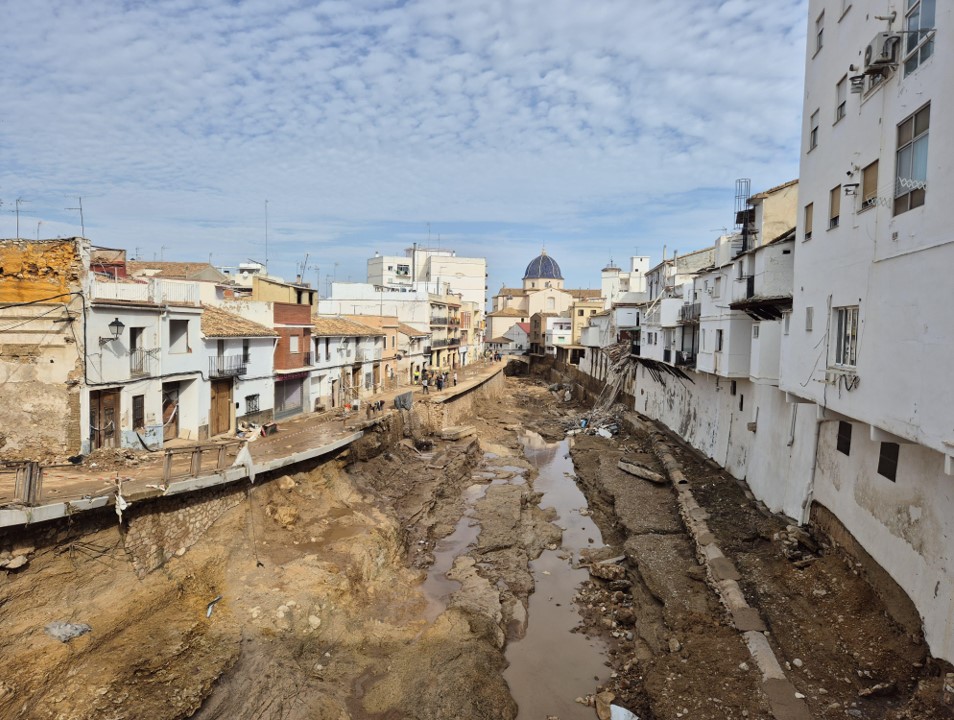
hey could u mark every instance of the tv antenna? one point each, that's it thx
(19, 201)
(82, 221)
(266, 236)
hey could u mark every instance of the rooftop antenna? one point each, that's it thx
(266, 236)
(19, 201)
(38, 223)
(162, 252)
(82, 221)
(138, 251)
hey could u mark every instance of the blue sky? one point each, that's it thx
(596, 129)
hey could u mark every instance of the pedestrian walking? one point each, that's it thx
(455, 378)
(424, 385)
(440, 383)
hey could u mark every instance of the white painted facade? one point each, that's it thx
(437, 267)
(871, 333)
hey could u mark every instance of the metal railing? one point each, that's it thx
(227, 366)
(690, 312)
(685, 358)
(140, 362)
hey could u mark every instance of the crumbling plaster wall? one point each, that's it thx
(41, 347)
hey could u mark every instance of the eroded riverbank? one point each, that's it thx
(398, 580)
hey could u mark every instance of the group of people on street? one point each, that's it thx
(437, 379)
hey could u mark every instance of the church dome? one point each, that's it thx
(543, 267)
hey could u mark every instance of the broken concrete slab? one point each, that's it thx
(458, 432)
(643, 473)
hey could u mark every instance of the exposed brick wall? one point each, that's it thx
(292, 314)
(158, 530)
(284, 358)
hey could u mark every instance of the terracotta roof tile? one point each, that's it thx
(219, 323)
(508, 312)
(405, 329)
(174, 270)
(336, 326)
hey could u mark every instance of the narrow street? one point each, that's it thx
(517, 573)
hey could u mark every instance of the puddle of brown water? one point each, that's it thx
(552, 666)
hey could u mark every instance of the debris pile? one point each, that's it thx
(111, 458)
(605, 424)
(798, 545)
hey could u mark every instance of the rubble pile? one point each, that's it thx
(798, 545)
(606, 423)
(111, 458)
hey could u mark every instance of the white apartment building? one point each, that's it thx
(435, 267)
(616, 282)
(871, 334)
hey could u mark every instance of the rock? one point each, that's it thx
(607, 571)
(797, 662)
(883, 688)
(603, 702)
(626, 616)
(314, 621)
(458, 432)
(619, 713)
(285, 482)
(674, 645)
(286, 515)
(18, 562)
(643, 473)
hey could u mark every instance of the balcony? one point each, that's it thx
(223, 366)
(690, 313)
(140, 362)
(685, 359)
(439, 320)
(447, 342)
(154, 292)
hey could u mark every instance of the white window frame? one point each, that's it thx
(813, 131)
(293, 345)
(910, 181)
(819, 32)
(841, 98)
(845, 340)
(918, 42)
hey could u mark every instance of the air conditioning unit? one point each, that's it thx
(882, 52)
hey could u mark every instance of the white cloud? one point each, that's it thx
(555, 120)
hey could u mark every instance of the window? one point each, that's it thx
(809, 217)
(293, 343)
(135, 337)
(732, 388)
(846, 336)
(327, 348)
(251, 404)
(834, 206)
(702, 344)
(403, 271)
(179, 336)
(869, 186)
(220, 347)
(919, 39)
(717, 287)
(813, 131)
(246, 352)
(820, 31)
(579, 313)
(911, 166)
(888, 460)
(809, 317)
(138, 412)
(844, 437)
(718, 346)
(755, 331)
(841, 98)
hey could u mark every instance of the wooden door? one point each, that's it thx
(103, 418)
(170, 411)
(220, 413)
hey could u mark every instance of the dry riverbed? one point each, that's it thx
(399, 580)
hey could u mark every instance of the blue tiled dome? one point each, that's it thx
(543, 267)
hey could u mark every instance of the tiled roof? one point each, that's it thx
(172, 270)
(508, 312)
(585, 294)
(405, 329)
(336, 326)
(511, 291)
(524, 326)
(218, 323)
(766, 193)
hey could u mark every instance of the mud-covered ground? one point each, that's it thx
(327, 609)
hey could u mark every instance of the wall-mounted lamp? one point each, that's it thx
(851, 188)
(116, 328)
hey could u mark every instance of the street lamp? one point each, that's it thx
(116, 328)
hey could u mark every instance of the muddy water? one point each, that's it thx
(437, 587)
(551, 666)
